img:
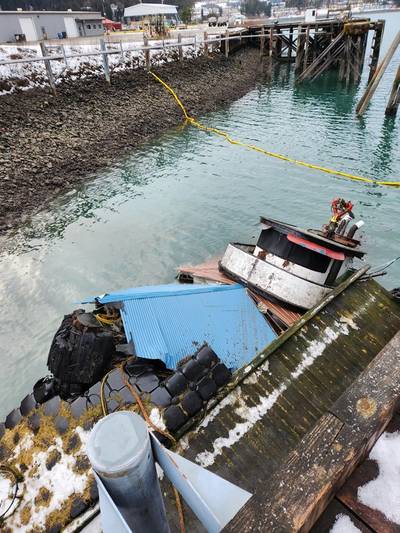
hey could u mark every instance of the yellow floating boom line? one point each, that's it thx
(228, 138)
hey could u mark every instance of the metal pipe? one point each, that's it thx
(120, 452)
(354, 228)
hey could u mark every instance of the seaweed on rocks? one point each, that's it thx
(51, 144)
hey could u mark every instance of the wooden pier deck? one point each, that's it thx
(289, 415)
(317, 46)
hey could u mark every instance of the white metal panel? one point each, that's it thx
(213, 500)
(28, 28)
(146, 9)
(298, 270)
(272, 279)
(71, 27)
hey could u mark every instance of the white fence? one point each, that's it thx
(118, 49)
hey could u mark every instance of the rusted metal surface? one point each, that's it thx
(287, 316)
(210, 272)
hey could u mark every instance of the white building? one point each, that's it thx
(37, 25)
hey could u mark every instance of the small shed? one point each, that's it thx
(155, 17)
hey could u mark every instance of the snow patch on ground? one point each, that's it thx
(383, 493)
(61, 481)
(344, 524)
(6, 493)
(24, 76)
(157, 419)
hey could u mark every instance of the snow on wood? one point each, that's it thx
(343, 524)
(383, 492)
(24, 76)
(252, 414)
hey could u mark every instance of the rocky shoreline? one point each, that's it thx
(49, 144)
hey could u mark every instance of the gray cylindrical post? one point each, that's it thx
(120, 451)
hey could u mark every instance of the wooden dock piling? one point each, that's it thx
(373, 84)
(318, 46)
(394, 99)
(376, 47)
(146, 52)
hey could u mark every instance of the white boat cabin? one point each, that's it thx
(296, 266)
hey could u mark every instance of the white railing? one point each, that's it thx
(104, 53)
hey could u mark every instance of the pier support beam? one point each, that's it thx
(394, 99)
(373, 84)
(376, 47)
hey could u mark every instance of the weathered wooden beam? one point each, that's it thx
(262, 42)
(290, 44)
(373, 84)
(300, 49)
(47, 64)
(306, 48)
(303, 486)
(394, 99)
(376, 47)
(324, 56)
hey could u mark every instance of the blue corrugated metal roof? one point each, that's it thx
(153, 291)
(169, 322)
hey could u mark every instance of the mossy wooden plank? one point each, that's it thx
(329, 453)
(302, 394)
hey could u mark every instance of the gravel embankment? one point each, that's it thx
(51, 144)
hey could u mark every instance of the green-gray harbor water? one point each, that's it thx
(181, 198)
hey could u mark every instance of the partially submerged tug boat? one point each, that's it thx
(186, 356)
(296, 266)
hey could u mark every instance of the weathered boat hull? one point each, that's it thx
(270, 279)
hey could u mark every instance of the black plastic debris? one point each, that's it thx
(207, 357)
(80, 354)
(28, 404)
(12, 419)
(191, 403)
(161, 396)
(207, 388)
(44, 389)
(220, 374)
(176, 384)
(174, 417)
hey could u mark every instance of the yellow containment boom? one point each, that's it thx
(227, 137)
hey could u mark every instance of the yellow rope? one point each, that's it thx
(227, 137)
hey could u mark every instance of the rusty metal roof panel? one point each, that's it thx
(169, 322)
(210, 272)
